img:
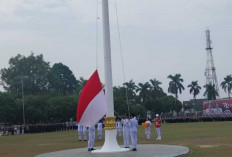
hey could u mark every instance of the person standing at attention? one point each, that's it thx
(158, 122)
(85, 129)
(126, 131)
(119, 126)
(148, 129)
(99, 130)
(79, 129)
(91, 138)
(133, 132)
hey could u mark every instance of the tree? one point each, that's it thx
(156, 90)
(63, 108)
(130, 90)
(32, 71)
(153, 105)
(210, 91)
(195, 89)
(8, 108)
(144, 91)
(175, 85)
(170, 104)
(138, 110)
(37, 109)
(80, 84)
(120, 105)
(62, 80)
(227, 84)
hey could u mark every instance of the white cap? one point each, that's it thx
(157, 115)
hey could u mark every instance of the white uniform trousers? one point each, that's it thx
(148, 133)
(134, 139)
(126, 136)
(120, 131)
(91, 138)
(80, 134)
(99, 134)
(158, 130)
(85, 135)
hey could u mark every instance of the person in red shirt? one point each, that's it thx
(158, 122)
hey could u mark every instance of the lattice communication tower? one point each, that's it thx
(210, 71)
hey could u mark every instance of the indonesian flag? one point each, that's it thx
(92, 103)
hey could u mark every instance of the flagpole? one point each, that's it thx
(110, 144)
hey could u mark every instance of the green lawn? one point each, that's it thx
(205, 139)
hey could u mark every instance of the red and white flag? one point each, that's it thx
(92, 102)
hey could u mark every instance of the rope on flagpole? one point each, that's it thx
(120, 45)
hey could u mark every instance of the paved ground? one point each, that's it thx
(145, 150)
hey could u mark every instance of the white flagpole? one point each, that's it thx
(111, 144)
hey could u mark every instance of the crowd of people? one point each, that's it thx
(6, 130)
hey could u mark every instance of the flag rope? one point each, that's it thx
(123, 67)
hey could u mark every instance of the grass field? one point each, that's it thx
(204, 139)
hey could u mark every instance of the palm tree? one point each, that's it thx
(175, 84)
(144, 91)
(227, 84)
(210, 91)
(157, 91)
(130, 90)
(195, 89)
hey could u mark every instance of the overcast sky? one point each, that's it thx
(159, 37)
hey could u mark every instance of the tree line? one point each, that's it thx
(50, 93)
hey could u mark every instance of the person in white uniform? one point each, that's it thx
(133, 132)
(85, 132)
(91, 138)
(119, 127)
(79, 129)
(148, 129)
(99, 130)
(126, 131)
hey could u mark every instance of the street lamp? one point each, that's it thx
(22, 82)
(23, 103)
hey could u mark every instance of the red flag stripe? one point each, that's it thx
(90, 90)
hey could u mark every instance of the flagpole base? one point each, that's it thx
(111, 144)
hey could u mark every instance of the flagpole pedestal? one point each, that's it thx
(111, 144)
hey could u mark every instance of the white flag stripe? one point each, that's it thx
(94, 111)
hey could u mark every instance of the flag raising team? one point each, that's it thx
(91, 109)
(129, 127)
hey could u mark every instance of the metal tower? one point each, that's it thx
(210, 70)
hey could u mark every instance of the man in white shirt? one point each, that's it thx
(99, 130)
(79, 129)
(85, 132)
(126, 131)
(148, 129)
(91, 138)
(133, 132)
(119, 126)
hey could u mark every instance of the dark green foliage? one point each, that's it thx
(227, 84)
(62, 80)
(170, 104)
(51, 93)
(63, 108)
(8, 108)
(138, 110)
(120, 105)
(210, 91)
(175, 85)
(32, 70)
